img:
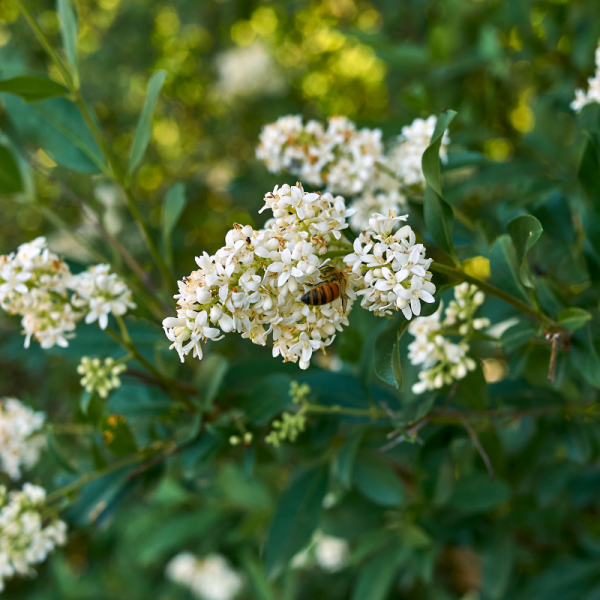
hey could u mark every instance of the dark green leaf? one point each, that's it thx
(386, 354)
(345, 459)
(32, 88)
(430, 161)
(525, 231)
(10, 176)
(476, 493)
(472, 390)
(584, 356)
(58, 454)
(377, 480)
(505, 268)
(173, 206)
(573, 318)
(143, 130)
(68, 31)
(84, 401)
(376, 577)
(210, 377)
(296, 518)
(257, 577)
(589, 170)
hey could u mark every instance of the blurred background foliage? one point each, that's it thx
(426, 523)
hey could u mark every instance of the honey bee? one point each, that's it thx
(332, 286)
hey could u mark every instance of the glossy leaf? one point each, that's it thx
(32, 88)
(68, 30)
(10, 176)
(117, 435)
(589, 170)
(524, 231)
(296, 518)
(506, 272)
(439, 218)
(377, 480)
(386, 354)
(476, 493)
(573, 318)
(346, 456)
(584, 356)
(143, 130)
(375, 579)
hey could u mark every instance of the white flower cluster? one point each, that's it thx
(210, 578)
(443, 361)
(592, 94)
(393, 268)
(28, 533)
(254, 284)
(35, 283)
(404, 158)
(340, 156)
(350, 161)
(100, 376)
(250, 71)
(19, 446)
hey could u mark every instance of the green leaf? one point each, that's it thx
(591, 225)
(584, 356)
(505, 268)
(210, 378)
(345, 459)
(377, 480)
(386, 354)
(57, 453)
(439, 218)
(259, 582)
(296, 518)
(32, 88)
(84, 401)
(59, 129)
(173, 206)
(430, 162)
(589, 170)
(476, 493)
(68, 31)
(11, 181)
(143, 130)
(573, 318)
(472, 390)
(498, 564)
(525, 231)
(376, 577)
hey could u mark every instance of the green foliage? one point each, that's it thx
(178, 458)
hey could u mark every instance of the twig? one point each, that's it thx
(477, 443)
(555, 337)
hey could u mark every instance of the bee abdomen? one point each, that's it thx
(322, 294)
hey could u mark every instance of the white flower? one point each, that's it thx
(19, 445)
(27, 532)
(254, 284)
(443, 361)
(332, 553)
(375, 202)
(393, 268)
(100, 293)
(210, 578)
(340, 156)
(405, 157)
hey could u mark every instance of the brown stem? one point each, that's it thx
(477, 443)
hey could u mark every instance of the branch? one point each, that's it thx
(477, 443)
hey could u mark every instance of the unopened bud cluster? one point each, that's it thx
(443, 361)
(39, 286)
(28, 531)
(100, 376)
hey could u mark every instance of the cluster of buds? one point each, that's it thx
(592, 94)
(100, 376)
